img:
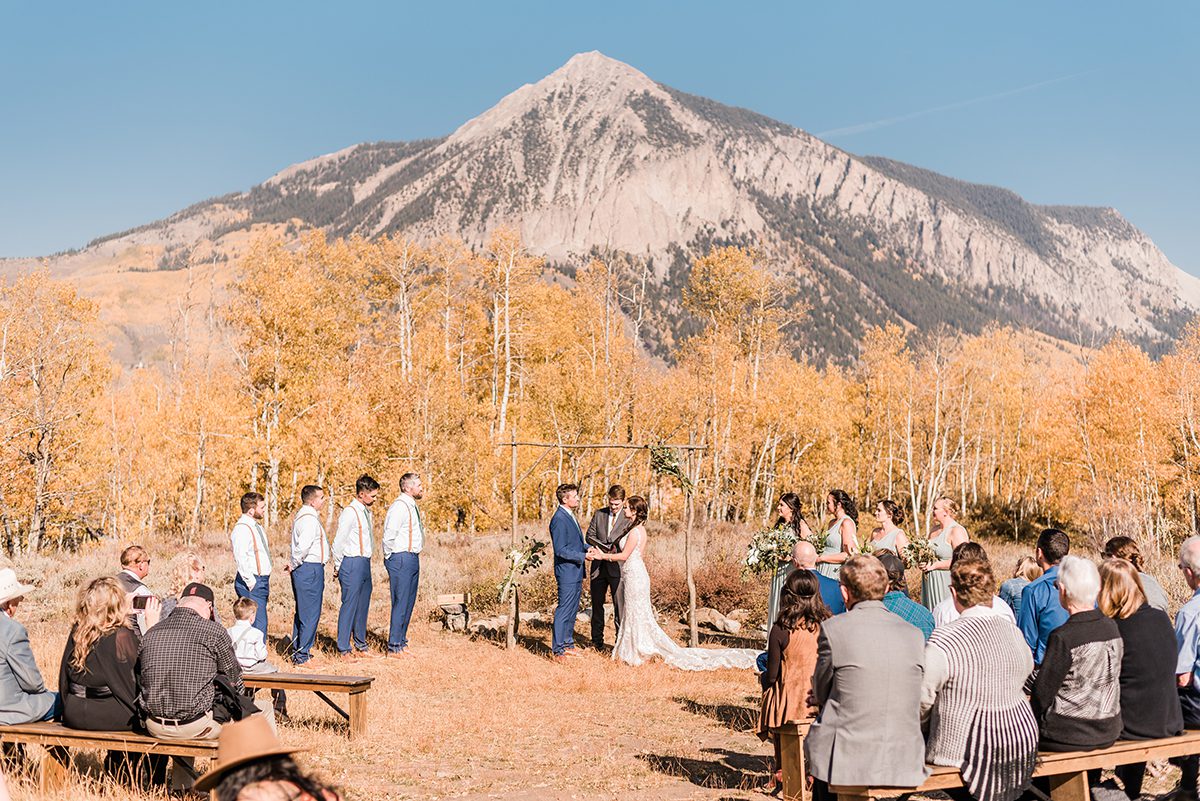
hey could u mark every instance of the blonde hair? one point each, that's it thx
(1121, 590)
(1028, 569)
(190, 567)
(244, 608)
(99, 610)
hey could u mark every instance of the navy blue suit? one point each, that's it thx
(831, 593)
(569, 551)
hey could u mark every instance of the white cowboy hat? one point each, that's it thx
(10, 587)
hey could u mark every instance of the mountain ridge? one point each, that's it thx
(598, 157)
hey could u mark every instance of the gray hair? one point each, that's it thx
(1189, 554)
(1079, 580)
(406, 481)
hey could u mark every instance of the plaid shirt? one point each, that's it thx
(178, 661)
(909, 611)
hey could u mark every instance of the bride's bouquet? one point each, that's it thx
(918, 552)
(767, 549)
(521, 561)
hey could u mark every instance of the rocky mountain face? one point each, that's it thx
(598, 158)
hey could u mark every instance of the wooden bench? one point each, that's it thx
(56, 739)
(1066, 771)
(354, 686)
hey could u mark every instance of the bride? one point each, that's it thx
(640, 637)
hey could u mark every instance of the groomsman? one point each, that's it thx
(403, 540)
(605, 531)
(352, 547)
(569, 556)
(310, 552)
(252, 557)
(135, 566)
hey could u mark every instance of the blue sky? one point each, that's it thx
(116, 114)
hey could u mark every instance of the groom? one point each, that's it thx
(569, 559)
(605, 531)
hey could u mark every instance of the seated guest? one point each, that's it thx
(188, 569)
(975, 671)
(804, 557)
(1077, 692)
(791, 656)
(1125, 548)
(946, 612)
(1027, 571)
(1187, 665)
(97, 676)
(897, 601)
(1149, 698)
(135, 566)
(252, 765)
(868, 661)
(23, 695)
(249, 645)
(1041, 610)
(183, 660)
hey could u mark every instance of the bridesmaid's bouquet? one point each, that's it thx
(767, 549)
(918, 551)
(521, 561)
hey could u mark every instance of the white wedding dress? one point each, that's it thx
(641, 639)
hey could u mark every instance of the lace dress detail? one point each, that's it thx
(641, 639)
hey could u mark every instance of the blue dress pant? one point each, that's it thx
(404, 570)
(308, 585)
(570, 588)
(355, 577)
(260, 594)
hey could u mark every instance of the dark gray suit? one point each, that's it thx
(605, 576)
(867, 683)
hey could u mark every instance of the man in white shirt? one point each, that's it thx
(403, 539)
(352, 546)
(310, 552)
(252, 557)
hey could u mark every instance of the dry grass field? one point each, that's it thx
(467, 719)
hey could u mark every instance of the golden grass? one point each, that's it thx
(467, 719)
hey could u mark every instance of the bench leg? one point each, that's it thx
(52, 774)
(791, 754)
(358, 715)
(1070, 787)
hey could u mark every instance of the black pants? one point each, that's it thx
(599, 587)
(1189, 766)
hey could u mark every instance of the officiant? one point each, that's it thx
(605, 532)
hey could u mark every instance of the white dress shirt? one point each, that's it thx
(403, 531)
(353, 537)
(251, 556)
(945, 612)
(249, 645)
(308, 538)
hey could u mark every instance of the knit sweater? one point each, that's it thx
(1076, 696)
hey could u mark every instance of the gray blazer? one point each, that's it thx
(867, 683)
(23, 694)
(597, 534)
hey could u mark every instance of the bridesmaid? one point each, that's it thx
(935, 583)
(791, 516)
(889, 536)
(841, 540)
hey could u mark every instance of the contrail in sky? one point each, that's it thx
(883, 123)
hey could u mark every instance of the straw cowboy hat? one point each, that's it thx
(242, 742)
(10, 587)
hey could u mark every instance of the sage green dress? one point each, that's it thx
(886, 543)
(781, 573)
(935, 584)
(833, 545)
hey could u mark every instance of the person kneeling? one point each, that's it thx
(191, 679)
